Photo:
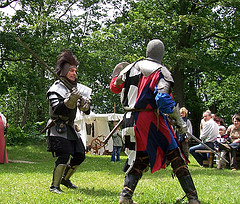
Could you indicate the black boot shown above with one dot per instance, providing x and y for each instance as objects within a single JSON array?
[
  {"x": 57, "y": 177},
  {"x": 180, "y": 169},
  {"x": 189, "y": 188},
  {"x": 130, "y": 184},
  {"x": 70, "y": 170}
]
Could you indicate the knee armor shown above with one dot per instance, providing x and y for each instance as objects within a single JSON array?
[
  {"x": 140, "y": 165},
  {"x": 178, "y": 163}
]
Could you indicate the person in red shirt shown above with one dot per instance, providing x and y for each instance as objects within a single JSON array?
[{"x": 3, "y": 151}]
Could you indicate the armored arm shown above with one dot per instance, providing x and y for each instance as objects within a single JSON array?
[
  {"x": 118, "y": 81},
  {"x": 177, "y": 120},
  {"x": 166, "y": 104},
  {"x": 163, "y": 99}
]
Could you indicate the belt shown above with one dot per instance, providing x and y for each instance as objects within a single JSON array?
[{"x": 156, "y": 112}]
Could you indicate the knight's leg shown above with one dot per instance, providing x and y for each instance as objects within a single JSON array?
[
  {"x": 132, "y": 178},
  {"x": 185, "y": 148},
  {"x": 181, "y": 170},
  {"x": 60, "y": 166},
  {"x": 71, "y": 168}
]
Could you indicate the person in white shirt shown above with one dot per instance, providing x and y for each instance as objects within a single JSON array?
[{"x": 208, "y": 136}]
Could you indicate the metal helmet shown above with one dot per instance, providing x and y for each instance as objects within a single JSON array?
[
  {"x": 65, "y": 61},
  {"x": 155, "y": 50},
  {"x": 118, "y": 68}
]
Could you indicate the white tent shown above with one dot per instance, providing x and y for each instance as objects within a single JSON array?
[{"x": 94, "y": 125}]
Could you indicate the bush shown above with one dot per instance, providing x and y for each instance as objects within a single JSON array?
[
  {"x": 15, "y": 136},
  {"x": 19, "y": 136}
]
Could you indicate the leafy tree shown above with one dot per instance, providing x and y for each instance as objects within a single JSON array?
[
  {"x": 5, "y": 3},
  {"x": 200, "y": 37},
  {"x": 47, "y": 27},
  {"x": 201, "y": 50}
]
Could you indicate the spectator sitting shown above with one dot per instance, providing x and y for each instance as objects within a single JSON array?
[
  {"x": 233, "y": 132},
  {"x": 203, "y": 121},
  {"x": 222, "y": 138},
  {"x": 208, "y": 136}
]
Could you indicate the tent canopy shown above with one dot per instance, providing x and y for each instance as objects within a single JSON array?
[{"x": 94, "y": 125}]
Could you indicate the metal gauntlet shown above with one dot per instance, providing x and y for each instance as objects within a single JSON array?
[
  {"x": 84, "y": 104},
  {"x": 71, "y": 101},
  {"x": 178, "y": 121},
  {"x": 118, "y": 81}
]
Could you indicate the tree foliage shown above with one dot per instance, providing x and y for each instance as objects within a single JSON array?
[{"x": 201, "y": 50}]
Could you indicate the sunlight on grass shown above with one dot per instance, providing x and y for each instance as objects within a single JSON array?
[{"x": 101, "y": 181}]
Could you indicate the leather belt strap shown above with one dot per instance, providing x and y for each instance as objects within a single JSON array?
[{"x": 156, "y": 112}]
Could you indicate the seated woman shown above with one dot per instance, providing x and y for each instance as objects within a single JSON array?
[{"x": 233, "y": 132}]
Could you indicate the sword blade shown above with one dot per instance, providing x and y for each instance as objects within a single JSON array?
[
  {"x": 209, "y": 148},
  {"x": 42, "y": 62},
  {"x": 113, "y": 130}
]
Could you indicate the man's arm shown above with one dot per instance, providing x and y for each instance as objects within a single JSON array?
[{"x": 114, "y": 88}]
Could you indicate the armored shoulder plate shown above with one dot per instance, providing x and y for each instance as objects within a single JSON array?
[
  {"x": 84, "y": 90},
  {"x": 60, "y": 88},
  {"x": 126, "y": 69},
  {"x": 167, "y": 74},
  {"x": 147, "y": 67}
]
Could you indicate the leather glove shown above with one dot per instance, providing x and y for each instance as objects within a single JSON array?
[
  {"x": 118, "y": 81},
  {"x": 178, "y": 121},
  {"x": 71, "y": 101},
  {"x": 84, "y": 104}
]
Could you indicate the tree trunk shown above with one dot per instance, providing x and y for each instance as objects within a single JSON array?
[
  {"x": 178, "y": 89},
  {"x": 17, "y": 111},
  {"x": 25, "y": 112}
]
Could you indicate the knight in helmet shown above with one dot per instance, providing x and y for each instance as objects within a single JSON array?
[
  {"x": 145, "y": 88},
  {"x": 62, "y": 139}
]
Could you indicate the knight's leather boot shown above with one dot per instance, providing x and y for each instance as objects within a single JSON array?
[
  {"x": 70, "y": 170},
  {"x": 130, "y": 184},
  {"x": 189, "y": 188}
]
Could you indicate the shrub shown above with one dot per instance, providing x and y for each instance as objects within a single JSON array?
[
  {"x": 23, "y": 136},
  {"x": 15, "y": 136}
]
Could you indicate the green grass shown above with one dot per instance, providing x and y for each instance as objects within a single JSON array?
[{"x": 101, "y": 181}]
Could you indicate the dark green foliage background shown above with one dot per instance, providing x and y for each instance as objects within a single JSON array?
[{"x": 201, "y": 41}]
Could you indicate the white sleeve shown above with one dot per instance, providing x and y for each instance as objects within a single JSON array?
[
  {"x": 4, "y": 120},
  {"x": 189, "y": 125}
]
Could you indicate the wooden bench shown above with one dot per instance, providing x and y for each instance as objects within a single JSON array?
[{"x": 210, "y": 160}]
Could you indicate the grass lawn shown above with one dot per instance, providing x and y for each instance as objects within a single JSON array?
[{"x": 101, "y": 181}]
